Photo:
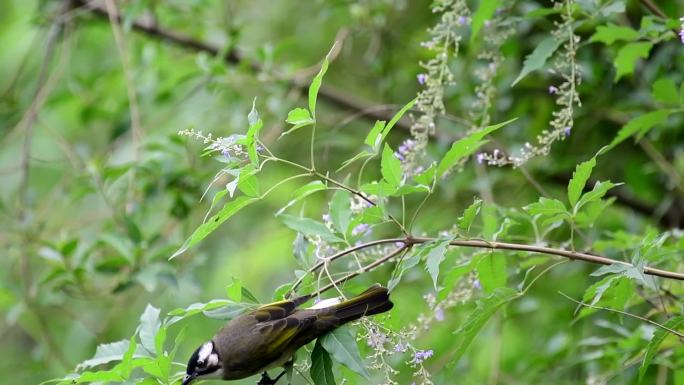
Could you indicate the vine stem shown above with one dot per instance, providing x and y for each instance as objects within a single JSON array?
[
  {"x": 409, "y": 242},
  {"x": 341, "y": 185}
]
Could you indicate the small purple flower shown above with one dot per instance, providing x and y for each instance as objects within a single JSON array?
[
  {"x": 399, "y": 244},
  {"x": 399, "y": 156},
  {"x": 553, "y": 90},
  {"x": 480, "y": 157},
  {"x": 487, "y": 23},
  {"x": 360, "y": 229},
  {"x": 400, "y": 347},
  {"x": 422, "y": 78},
  {"x": 462, "y": 20},
  {"x": 422, "y": 355},
  {"x": 681, "y": 29},
  {"x": 326, "y": 218},
  {"x": 439, "y": 314},
  {"x": 566, "y": 131},
  {"x": 477, "y": 285},
  {"x": 225, "y": 152}
]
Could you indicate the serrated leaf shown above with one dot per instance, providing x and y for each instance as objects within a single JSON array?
[
  {"x": 298, "y": 117},
  {"x": 609, "y": 34},
  {"x": 639, "y": 126},
  {"x": 466, "y": 146},
  {"x": 611, "y": 292},
  {"x": 228, "y": 210},
  {"x": 579, "y": 180},
  {"x": 109, "y": 352},
  {"x": 484, "y": 12},
  {"x": 390, "y": 167},
  {"x": 658, "y": 337},
  {"x": 434, "y": 259},
  {"x": 600, "y": 189},
  {"x": 308, "y": 226},
  {"x": 341, "y": 344},
  {"x": 538, "y": 57},
  {"x": 546, "y": 207},
  {"x": 476, "y": 320},
  {"x": 321, "y": 366},
  {"x": 665, "y": 91},
  {"x": 149, "y": 326},
  {"x": 491, "y": 272},
  {"x": 632, "y": 272},
  {"x": 469, "y": 214},
  {"x": 340, "y": 210},
  {"x": 627, "y": 56}
]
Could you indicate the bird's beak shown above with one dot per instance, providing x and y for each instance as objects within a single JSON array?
[{"x": 188, "y": 379}]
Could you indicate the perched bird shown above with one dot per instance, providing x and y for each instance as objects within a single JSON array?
[{"x": 269, "y": 336}]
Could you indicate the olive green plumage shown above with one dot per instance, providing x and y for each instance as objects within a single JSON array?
[{"x": 268, "y": 337}]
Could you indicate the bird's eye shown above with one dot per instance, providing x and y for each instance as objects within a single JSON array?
[{"x": 200, "y": 363}]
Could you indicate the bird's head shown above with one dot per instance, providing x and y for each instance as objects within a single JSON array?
[{"x": 204, "y": 363}]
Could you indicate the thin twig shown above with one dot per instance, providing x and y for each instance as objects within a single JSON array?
[{"x": 678, "y": 334}]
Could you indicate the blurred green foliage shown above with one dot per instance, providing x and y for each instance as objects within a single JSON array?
[{"x": 91, "y": 210}]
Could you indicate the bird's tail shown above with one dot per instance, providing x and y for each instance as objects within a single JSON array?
[{"x": 375, "y": 300}]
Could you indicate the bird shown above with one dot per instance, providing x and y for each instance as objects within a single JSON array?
[{"x": 268, "y": 336}]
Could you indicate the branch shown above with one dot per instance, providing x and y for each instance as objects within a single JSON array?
[
  {"x": 409, "y": 242},
  {"x": 235, "y": 57}
]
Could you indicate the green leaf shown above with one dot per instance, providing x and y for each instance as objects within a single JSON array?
[
  {"x": 109, "y": 352},
  {"x": 386, "y": 130},
  {"x": 402, "y": 267},
  {"x": 308, "y": 226},
  {"x": 374, "y": 137},
  {"x": 321, "y": 366},
  {"x": 484, "y": 12},
  {"x": 639, "y": 125},
  {"x": 302, "y": 193},
  {"x": 179, "y": 314},
  {"x": 316, "y": 85},
  {"x": 658, "y": 337},
  {"x": 390, "y": 167},
  {"x": 546, "y": 207},
  {"x": 340, "y": 210},
  {"x": 469, "y": 214},
  {"x": 149, "y": 326},
  {"x": 633, "y": 272},
  {"x": 298, "y": 117},
  {"x": 492, "y": 272},
  {"x": 247, "y": 181},
  {"x": 665, "y": 91},
  {"x": 538, "y": 57},
  {"x": 610, "y": 33},
  {"x": 252, "y": 137},
  {"x": 341, "y": 344},
  {"x": 234, "y": 290},
  {"x": 466, "y": 146},
  {"x": 579, "y": 180},
  {"x": 228, "y": 311},
  {"x": 611, "y": 292},
  {"x": 627, "y": 56},
  {"x": 599, "y": 190},
  {"x": 434, "y": 253},
  {"x": 228, "y": 210},
  {"x": 478, "y": 319}
]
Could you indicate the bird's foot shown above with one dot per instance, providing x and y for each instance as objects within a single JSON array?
[{"x": 266, "y": 380}]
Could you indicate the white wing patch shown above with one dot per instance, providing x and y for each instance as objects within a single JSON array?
[{"x": 322, "y": 304}]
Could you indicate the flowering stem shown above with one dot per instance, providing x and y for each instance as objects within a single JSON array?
[{"x": 409, "y": 242}]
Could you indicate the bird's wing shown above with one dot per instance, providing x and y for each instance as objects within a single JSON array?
[
  {"x": 278, "y": 310},
  {"x": 279, "y": 333}
]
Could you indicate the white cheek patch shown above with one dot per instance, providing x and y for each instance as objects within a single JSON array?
[
  {"x": 212, "y": 361},
  {"x": 327, "y": 303},
  {"x": 205, "y": 351}
]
